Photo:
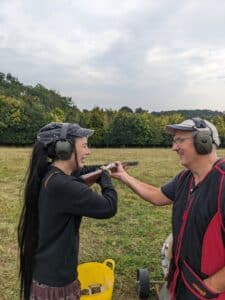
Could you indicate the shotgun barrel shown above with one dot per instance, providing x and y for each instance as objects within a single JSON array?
[{"x": 91, "y": 178}]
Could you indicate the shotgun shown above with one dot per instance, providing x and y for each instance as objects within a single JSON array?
[{"x": 92, "y": 177}]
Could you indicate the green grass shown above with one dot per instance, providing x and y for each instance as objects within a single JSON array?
[{"x": 133, "y": 238}]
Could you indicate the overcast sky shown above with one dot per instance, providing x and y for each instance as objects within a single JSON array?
[{"x": 154, "y": 54}]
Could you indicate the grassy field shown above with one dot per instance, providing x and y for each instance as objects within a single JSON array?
[{"x": 133, "y": 238}]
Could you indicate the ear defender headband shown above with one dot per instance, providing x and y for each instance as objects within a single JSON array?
[
  {"x": 63, "y": 148},
  {"x": 203, "y": 141}
]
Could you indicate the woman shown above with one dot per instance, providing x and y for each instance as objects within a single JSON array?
[{"x": 54, "y": 203}]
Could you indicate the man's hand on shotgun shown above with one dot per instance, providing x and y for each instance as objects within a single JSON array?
[{"x": 116, "y": 169}]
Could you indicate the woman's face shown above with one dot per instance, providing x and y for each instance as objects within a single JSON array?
[{"x": 82, "y": 151}]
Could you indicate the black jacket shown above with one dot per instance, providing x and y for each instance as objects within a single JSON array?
[{"x": 63, "y": 201}]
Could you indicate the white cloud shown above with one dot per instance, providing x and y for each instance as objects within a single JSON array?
[
  {"x": 74, "y": 46},
  {"x": 115, "y": 8},
  {"x": 198, "y": 64},
  {"x": 153, "y": 53}
]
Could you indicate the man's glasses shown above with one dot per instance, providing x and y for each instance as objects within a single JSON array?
[{"x": 180, "y": 140}]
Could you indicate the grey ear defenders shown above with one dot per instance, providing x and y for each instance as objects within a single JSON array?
[
  {"x": 203, "y": 137},
  {"x": 63, "y": 148}
]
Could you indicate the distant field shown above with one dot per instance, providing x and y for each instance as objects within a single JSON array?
[{"x": 133, "y": 238}]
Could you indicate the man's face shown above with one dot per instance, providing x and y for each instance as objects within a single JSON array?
[
  {"x": 82, "y": 150},
  {"x": 184, "y": 146}
]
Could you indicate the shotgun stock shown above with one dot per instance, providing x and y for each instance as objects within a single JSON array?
[{"x": 91, "y": 178}]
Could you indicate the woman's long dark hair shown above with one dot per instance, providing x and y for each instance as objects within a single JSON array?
[{"x": 28, "y": 223}]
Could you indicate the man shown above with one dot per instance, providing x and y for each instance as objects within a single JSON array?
[{"x": 197, "y": 270}]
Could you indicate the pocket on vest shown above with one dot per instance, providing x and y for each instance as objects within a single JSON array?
[{"x": 195, "y": 284}]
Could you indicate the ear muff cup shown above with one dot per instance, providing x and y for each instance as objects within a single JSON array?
[
  {"x": 203, "y": 142},
  {"x": 63, "y": 149}
]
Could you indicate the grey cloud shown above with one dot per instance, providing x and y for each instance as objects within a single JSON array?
[{"x": 165, "y": 54}]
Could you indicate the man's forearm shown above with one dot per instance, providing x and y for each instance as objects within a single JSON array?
[
  {"x": 216, "y": 282},
  {"x": 145, "y": 191}
]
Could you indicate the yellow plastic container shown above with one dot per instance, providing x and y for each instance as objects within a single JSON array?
[{"x": 98, "y": 274}]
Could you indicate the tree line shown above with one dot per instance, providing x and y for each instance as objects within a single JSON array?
[{"x": 25, "y": 109}]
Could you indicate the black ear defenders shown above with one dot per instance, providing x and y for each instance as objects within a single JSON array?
[
  {"x": 203, "y": 141},
  {"x": 63, "y": 148}
]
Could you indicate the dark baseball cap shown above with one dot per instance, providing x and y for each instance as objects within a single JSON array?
[
  {"x": 190, "y": 125},
  {"x": 52, "y": 132}
]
